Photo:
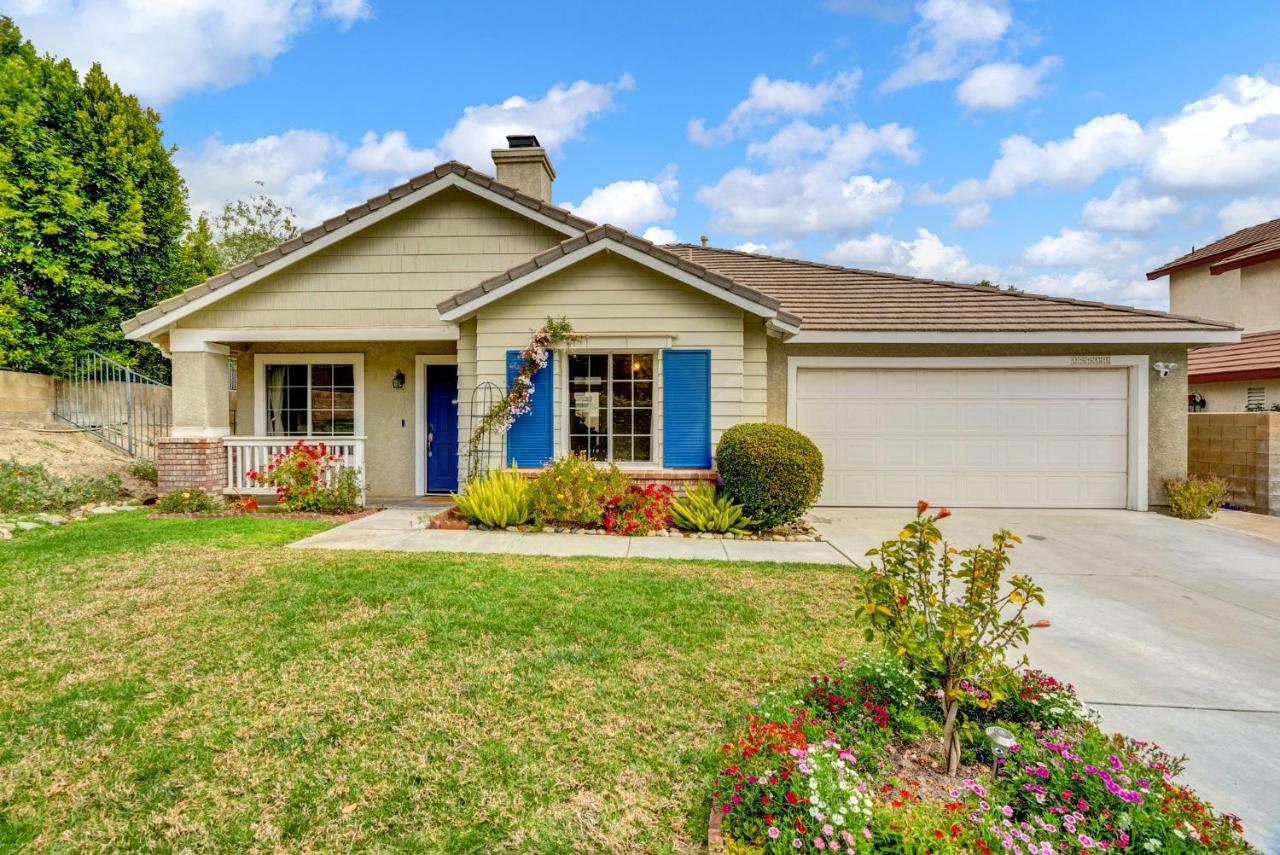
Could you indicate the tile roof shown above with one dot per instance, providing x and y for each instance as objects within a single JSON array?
[
  {"x": 1257, "y": 355},
  {"x": 1264, "y": 250},
  {"x": 827, "y": 297},
  {"x": 598, "y": 233},
  {"x": 1231, "y": 246},
  {"x": 345, "y": 219}
]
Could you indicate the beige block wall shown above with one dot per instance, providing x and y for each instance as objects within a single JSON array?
[
  {"x": 1232, "y": 397},
  {"x": 390, "y": 274},
  {"x": 25, "y": 396},
  {"x": 1244, "y": 450},
  {"x": 390, "y": 459},
  {"x": 609, "y": 296},
  {"x": 1197, "y": 293},
  {"x": 1167, "y": 423}
]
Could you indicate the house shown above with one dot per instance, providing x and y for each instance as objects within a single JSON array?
[
  {"x": 1237, "y": 280},
  {"x": 383, "y": 330}
]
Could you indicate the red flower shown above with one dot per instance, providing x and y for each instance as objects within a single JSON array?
[
  {"x": 944, "y": 513},
  {"x": 792, "y": 798},
  {"x": 921, "y": 507}
]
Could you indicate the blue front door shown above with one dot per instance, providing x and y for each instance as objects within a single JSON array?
[{"x": 442, "y": 428}]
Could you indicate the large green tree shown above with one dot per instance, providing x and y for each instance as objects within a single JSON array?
[{"x": 92, "y": 211}]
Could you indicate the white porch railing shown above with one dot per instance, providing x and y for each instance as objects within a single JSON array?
[{"x": 249, "y": 453}]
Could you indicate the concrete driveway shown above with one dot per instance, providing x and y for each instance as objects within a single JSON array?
[{"x": 1170, "y": 628}]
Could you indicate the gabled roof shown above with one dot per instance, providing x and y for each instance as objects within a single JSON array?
[
  {"x": 1257, "y": 356},
  {"x": 1233, "y": 246},
  {"x": 594, "y": 240},
  {"x": 350, "y": 221},
  {"x": 1264, "y": 250},
  {"x": 827, "y": 297}
]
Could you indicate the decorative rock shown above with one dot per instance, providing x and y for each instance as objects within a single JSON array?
[
  {"x": 777, "y": 537},
  {"x": 50, "y": 519},
  {"x": 27, "y": 525},
  {"x": 548, "y": 529},
  {"x": 6, "y": 534},
  {"x": 102, "y": 510},
  {"x": 512, "y": 528}
]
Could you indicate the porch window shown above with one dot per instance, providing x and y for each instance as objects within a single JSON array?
[
  {"x": 611, "y": 406},
  {"x": 310, "y": 398}
]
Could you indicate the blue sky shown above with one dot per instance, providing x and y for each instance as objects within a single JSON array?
[{"x": 1060, "y": 147}]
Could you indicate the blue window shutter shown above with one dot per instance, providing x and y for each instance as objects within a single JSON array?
[
  {"x": 531, "y": 438},
  {"x": 686, "y": 409}
]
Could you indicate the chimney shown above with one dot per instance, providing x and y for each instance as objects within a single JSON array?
[
  {"x": 523, "y": 165},
  {"x": 704, "y": 240}
]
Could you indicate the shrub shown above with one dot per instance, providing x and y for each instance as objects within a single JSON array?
[
  {"x": 192, "y": 500},
  {"x": 1196, "y": 497},
  {"x": 947, "y": 612},
  {"x": 774, "y": 472},
  {"x": 573, "y": 491},
  {"x": 310, "y": 478},
  {"x": 144, "y": 470},
  {"x": 639, "y": 510},
  {"x": 700, "y": 509},
  {"x": 498, "y": 500},
  {"x": 31, "y": 487}
]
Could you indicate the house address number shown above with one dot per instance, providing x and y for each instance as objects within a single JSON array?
[{"x": 1091, "y": 360}]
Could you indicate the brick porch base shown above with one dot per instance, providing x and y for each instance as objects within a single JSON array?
[{"x": 190, "y": 461}]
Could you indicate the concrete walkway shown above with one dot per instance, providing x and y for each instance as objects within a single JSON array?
[
  {"x": 400, "y": 529},
  {"x": 1170, "y": 628}
]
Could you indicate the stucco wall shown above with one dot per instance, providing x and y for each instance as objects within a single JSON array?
[
  {"x": 1195, "y": 292},
  {"x": 1167, "y": 422},
  {"x": 390, "y": 274},
  {"x": 1232, "y": 397},
  {"x": 388, "y": 413},
  {"x": 1260, "y": 296},
  {"x": 610, "y": 297}
]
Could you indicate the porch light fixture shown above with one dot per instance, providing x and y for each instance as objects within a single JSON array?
[
  {"x": 397, "y": 382},
  {"x": 1001, "y": 743},
  {"x": 1163, "y": 368}
]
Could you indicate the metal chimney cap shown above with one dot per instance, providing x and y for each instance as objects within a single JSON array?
[{"x": 522, "y": 141}]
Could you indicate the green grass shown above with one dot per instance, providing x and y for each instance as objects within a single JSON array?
[{"x": 191, "y": 685}]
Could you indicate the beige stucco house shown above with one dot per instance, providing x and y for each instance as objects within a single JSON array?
[
  {"x": 374, "y": 330},
  {"x": 1237, "y": 280}
]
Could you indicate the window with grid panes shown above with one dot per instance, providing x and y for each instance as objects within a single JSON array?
[{"x": 611, "y": 406}]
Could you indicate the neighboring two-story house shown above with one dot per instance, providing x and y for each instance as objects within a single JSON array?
[
  {"x": 1237, "y": 280},
  {"x": 382, "y": 330}
]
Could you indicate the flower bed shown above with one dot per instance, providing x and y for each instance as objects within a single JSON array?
[{"x": 893, "y": 752}]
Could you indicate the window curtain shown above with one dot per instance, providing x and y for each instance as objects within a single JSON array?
[{"x": 275, "y": 399}]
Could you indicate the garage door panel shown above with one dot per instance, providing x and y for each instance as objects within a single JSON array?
[{"x": 975, "y": 436}]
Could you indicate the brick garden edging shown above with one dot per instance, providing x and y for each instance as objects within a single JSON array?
[{"x": 715, "y": 837}]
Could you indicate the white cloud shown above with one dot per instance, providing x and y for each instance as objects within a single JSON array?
[
  {"x": 1101, "y": 144},
  {"x": 1128, "y": 209},
  {"x": 658, "y": 235},
  {"x": 1250, "y": 211},
  {"x": 1002, "y": 85},
  {"x": 1228, "y": 141},
  {"x": 631, "y": 204},
  {"x": 753, "y": 248},
  {"x": 1094, "y": 284},
  {"x": 851, "y": 146},
  {"x": 971, "y": 216},
  {"x": 294, "y": 168},
  {"x": 950, "y": 37},
  {"x": 391, "y": 153},
  {"x": 557, "y": 117},
  {"x": 926, "y": 256},
  {"x": 798, "y": 200},
  {"x": 159, "y": 50},
  {"x": 770, "y": 100},
  {"x": 1078, "y": 248}
]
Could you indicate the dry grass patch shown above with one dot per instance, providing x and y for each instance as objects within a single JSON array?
[{"x": 187, "y": 685}]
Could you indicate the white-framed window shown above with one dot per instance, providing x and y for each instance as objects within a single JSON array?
[
  {"x": 309, "y": 394},
  {"x": 612, "y": 411}
]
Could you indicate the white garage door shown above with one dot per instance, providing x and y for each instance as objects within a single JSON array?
[{"x": 980, "y": 437}]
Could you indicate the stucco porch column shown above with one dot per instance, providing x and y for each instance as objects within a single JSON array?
[{"x": 193, "y": 456}]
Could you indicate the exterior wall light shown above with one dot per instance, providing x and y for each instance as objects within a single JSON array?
[
  {"x": 1163, "y": 368},
  {"x": 397, "y": 382}
]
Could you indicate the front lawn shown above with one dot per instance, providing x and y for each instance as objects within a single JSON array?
[{"x": 173, "y": 684}]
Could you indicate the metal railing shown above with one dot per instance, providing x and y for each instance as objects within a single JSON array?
[
  {"x": 127, "y": 409},
  {"x": 253, "y": 453}
]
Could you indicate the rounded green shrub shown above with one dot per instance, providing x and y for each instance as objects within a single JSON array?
[{"x": 774, "y": 472}]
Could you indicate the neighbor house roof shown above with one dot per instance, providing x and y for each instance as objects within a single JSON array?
[
  {"x": 827, "y": 297},
  {"x": 1238, "y": 249},
  {"x": 351, "y": 220},
  {"x": 1257, "y": 356},
  {"x": 590, "y": 242}
]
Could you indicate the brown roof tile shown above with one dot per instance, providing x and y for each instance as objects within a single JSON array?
[
  {"x": 1257, "y": 355},
  {"x": 827, "y": 297},
  {"x": 1219, "y": 250},
  {"x": 1264, "y": 250},
  {"x": 276, "y": 254}
]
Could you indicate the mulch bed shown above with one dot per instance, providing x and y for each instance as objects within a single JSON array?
[{"x": 282, "y": 515}]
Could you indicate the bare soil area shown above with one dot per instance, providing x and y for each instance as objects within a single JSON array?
[{"x": 68, "y": 452}]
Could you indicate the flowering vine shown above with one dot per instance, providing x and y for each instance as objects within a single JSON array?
[{"x": 519, "y": 398}]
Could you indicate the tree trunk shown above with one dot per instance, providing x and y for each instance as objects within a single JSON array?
[{"x": 950, "y": 731}]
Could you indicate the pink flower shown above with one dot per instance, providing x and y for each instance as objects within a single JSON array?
[{"x": 773, "y": 832}]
